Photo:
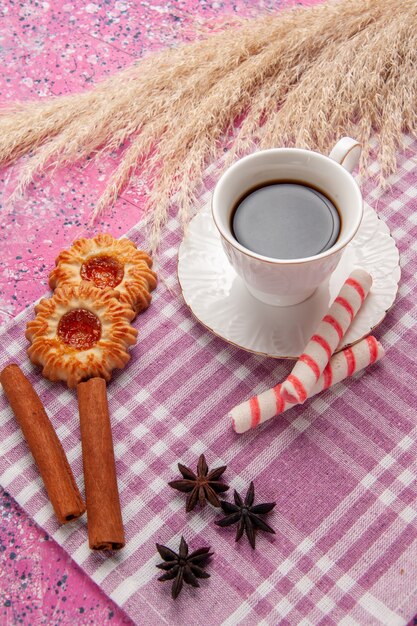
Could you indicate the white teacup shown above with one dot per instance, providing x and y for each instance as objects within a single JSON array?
[{"x": 289, "y": 281}]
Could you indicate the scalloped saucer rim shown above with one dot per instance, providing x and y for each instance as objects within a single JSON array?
[{"x": 219, "y": 300}]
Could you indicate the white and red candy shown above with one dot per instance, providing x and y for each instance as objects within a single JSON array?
[
  {"x": 310, "y": 365},
  {"x": 270, "y": 403}
]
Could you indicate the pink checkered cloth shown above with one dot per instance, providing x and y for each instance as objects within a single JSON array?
[{"x": 342, "y": 468}]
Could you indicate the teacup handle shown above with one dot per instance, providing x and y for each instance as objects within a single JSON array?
[{"x": 347, "y": 152}]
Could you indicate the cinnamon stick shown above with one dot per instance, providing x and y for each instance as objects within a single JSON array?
[
  {"x": 43, "y": 443},
  {"x": 105, "y": 525}
]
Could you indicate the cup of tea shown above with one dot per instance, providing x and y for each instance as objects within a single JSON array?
[{"x": 285, "y": 216}]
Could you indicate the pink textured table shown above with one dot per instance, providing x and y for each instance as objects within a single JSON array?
[
  {"x": 63, "y": 47},
  {"x": 49, "y": 49}
]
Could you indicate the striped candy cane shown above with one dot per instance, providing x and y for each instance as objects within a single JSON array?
[
  {"x": 270, "y": 403},
  {"x": 311, "y": 364}
]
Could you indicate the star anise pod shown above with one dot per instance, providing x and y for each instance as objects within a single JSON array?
[
  {"x": 183, "y": 567},
  {"x": 246, "y": 515},
  {"x": 201, "y": 487}
]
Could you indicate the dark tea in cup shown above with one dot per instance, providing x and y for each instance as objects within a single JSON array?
[
  {"x": 286, "y": 219},
  {"x": 285, "y": 216}
]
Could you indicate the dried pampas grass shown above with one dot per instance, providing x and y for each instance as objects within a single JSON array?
[{"x": 304, "y": 77}]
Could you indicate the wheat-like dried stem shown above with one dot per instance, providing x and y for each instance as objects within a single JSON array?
[{"x": 303, "y": 76}]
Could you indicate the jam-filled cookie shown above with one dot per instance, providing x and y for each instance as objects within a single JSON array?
[
  {"x": 80, "y": 332},
  {"x": 111, "y": 264}
]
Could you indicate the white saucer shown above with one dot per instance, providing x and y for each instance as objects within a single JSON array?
[{"x": 220, "y": 301}]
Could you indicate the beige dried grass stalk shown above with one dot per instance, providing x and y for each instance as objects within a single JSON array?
[{"x": 304, "y": 77}]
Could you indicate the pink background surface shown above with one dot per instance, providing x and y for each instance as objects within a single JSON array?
[{"x": 48, "y": 49}]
